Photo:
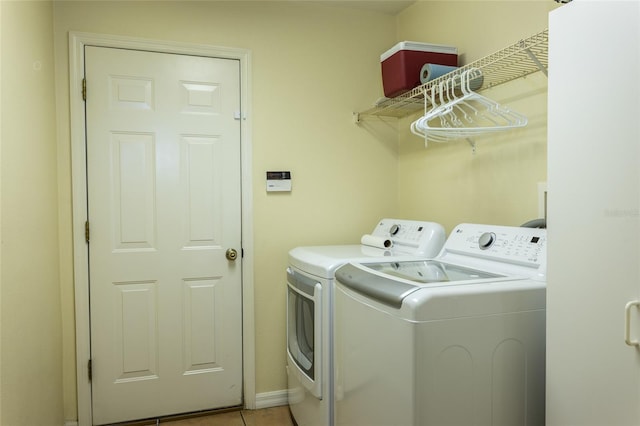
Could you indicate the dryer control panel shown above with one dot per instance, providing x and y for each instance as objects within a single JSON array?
[{"x": 411, "y": 236}]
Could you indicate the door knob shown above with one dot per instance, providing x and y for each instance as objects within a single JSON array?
[{"x": 231, "y": 254}]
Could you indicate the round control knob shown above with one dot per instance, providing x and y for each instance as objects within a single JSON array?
[
  {"x": 394, "y": 229},
  {"x": 486, "y": 240}
]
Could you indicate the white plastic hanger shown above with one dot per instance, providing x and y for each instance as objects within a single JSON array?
[{"x": 454, "y": 116}]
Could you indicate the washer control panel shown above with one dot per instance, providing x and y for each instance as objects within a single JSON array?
[
  {"x": 504, "y": 243},
  {"x": 486, "y": 240}
]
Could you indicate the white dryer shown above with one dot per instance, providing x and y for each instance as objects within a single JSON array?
[
  {"x": 458, "y": 340},
  {"x": 310, "y": 282}
]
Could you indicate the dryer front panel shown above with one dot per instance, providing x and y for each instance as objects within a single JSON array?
[{"x": 304, "y": 332}]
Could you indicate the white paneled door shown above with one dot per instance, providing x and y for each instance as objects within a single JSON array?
[{"x": 163, "y": 167}]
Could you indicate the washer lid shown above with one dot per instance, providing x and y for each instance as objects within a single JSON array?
[
  {"x": 378, "y": 288},
  {"x": 429, "y": 271},
  {"x": 391, "y": 282}
]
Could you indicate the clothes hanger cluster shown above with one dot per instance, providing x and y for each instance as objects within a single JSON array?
[{"x": 454, "y": 111}]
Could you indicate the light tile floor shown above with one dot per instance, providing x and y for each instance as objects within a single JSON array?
[{"x": 275, "y": 416}]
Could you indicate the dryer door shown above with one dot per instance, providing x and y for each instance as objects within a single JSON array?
[{"x": 304, "y": 334}]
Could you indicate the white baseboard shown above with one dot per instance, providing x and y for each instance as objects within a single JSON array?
[
  {"x": 271, "y": 399},
  {"x": 263, "y": 400}
]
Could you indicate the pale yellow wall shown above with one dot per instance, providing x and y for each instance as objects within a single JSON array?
[
  {"x": 30, "y": 373},
  {"x": 446, "y": 182},
  {"x": 312, "y": 66},
  {"x": 0, "y": 210}
]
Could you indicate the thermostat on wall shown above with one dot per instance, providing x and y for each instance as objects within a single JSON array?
[{"x": 278, "y": 181}]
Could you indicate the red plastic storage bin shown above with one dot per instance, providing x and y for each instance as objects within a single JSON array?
[{"x": 402, "y": 63}]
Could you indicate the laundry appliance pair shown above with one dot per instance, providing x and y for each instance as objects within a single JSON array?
[
  {"x": 310, "y": 283},
  {"x": 452, "y": 338}
]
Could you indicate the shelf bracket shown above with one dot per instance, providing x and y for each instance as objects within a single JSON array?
[
  {"x": 473, "y": 145},
  {"x": 356, "y": 118},
  {"x": 536, "y": 61}
]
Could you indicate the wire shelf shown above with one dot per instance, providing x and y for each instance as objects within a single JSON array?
[{"x": 525, "y": 57}]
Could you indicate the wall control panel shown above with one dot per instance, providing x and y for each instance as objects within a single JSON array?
[{"x": 279, "y": 181}]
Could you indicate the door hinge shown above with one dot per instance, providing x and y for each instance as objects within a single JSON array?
[
  {"x": 89, "y": 370},
  {"x": 86, "y": 231},
  {"x": 84, "y": 89}
]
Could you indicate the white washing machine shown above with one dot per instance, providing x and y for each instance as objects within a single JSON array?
[
  {"x": 310, "y": 282},
  {"x": 457, "y": 340}
]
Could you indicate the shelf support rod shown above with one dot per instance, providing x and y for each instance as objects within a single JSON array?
[
  {"x": 536, "y": 61},
  {"x": 473, "y": 145}
]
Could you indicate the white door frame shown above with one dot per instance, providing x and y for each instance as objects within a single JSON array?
[{"x": 77, "y": 42}]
